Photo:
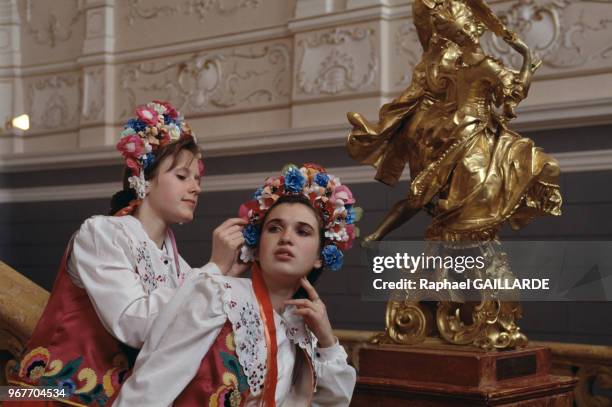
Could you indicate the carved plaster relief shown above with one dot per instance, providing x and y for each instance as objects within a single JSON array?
[
  {"x": 406, "y": 50},
  {"x": 53, "y": 101},
  {"x": 335, "y": 61},
  {"x": 240, "y": 77},
  {"x": 93, "y": 95},
  {"x": 138, "y": 10},
  {"x": 565, "y": 34},
  {"x": 50, "y": 25}
]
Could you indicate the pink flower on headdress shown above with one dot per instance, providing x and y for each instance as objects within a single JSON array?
[
  {"x": 342, "y": 192},
  {"x": 170, "y": 110},
  {"x": 131, "y": 146},
  {"x": 148, "y": 115}
]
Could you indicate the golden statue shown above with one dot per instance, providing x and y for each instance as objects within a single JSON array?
[{"x": 469, "y": 170}]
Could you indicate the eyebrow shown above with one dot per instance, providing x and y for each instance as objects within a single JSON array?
[{"x": 278, "y": 220}]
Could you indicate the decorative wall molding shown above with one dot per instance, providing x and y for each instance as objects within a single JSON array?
[
  {"x": 406, "y": 50},
  {"x": 337, "y": 61},
  {"x": 93, "y": 95},
  {"x": 244, "y": 76},
  {"x": 56, "y": 28},
  {"x": 353, "y": 55},
  {"x": 551, "y": 116},
  {"x": 373, "y": 13},
  {"x": 53, "y": 101},
  {"x": 200, "y": 8},
  {"x": 599, "y": 160},
  {"x": 566, "y": 34}
]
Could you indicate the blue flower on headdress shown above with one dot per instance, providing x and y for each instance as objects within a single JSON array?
[
  {"x": 332, "y": 257},
  {"x": 251, "y": 235},
  {"x": 321, "y": 179},
  {"x": 147, "y": 160},
  {"x": 258, "y": 193},
  {"x": 169, "y": 120},
  {"x": 136, "y": 124},
  {"x": 294, "y": 180},
  {"x": 350, "y": 214}
]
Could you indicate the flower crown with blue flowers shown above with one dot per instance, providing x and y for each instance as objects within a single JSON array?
[
  {"x": 333, "y": 201},
  {"x": 157, "y": 124}
]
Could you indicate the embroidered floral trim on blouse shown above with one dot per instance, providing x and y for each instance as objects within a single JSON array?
[
  {"x": 144, "y": 264},
  {"x": 243, "y": 313},
  {"x": 248, "y": 334}
]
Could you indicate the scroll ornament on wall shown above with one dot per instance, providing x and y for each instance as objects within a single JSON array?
[
  {"x": 336, "y": 61},
  {"x": 564, "y": 34},
  {"x": 240, "y": 77},
  {"x": 142, "y": 10}
]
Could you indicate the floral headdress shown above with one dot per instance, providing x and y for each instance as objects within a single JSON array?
[
  {"x": 332, "y": 200},
  {"x": 156, "y": 125}
]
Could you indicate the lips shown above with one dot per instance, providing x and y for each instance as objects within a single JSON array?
[
  {"x": 283, "y": 254},
  {"x": 190, "y": 202}
]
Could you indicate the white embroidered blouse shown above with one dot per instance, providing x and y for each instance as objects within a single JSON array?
[
  {"x": 189, "y": 325},
  {"x": 127, "y": 277}
]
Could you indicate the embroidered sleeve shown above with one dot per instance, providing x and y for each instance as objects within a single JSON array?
[
  {"x": 210, "y": 268},
  {"x": 335, "y": 377},
  {"x": 180, "y": 338},
  {"x": 103, "y": 258}
]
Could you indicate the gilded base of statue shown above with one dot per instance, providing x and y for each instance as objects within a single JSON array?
[
  {"x": 434, "y": 374},
  {"x": 489, "y": 324}
]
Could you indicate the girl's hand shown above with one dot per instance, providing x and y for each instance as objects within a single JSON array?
[
  {"x": 238, "y": 267},
  {"x": 226, "y": 241},
  {"x": 315, "y": 315}
]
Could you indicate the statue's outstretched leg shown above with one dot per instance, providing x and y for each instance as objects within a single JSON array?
[{"x": 399, "y": 214}]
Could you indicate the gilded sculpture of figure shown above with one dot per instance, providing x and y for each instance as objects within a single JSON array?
[{"x": 469, "y": 171}]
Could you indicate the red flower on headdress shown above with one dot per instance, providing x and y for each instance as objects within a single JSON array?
[
  {"x": 249, "y": 210},
  {"x": 164, "y": 138},
  {"x": 325, "y": 208},
  {"x": 350, "y": 230},
  {"x": 131, "y": 146},
  {"x": 201, "y": 167},
  {"x": 147, "y": 115},
  {"x": 133, "y": 165},
  {"x": 170, "y": 110}
]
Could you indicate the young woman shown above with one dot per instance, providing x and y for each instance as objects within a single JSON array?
[
  {"x": 119, "y": 271},
  {"x": 233, "y": 341}
]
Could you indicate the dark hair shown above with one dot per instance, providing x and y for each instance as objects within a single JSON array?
[
  {"x": 314, "y": 274},
  {"x": 122, "y": 198}
]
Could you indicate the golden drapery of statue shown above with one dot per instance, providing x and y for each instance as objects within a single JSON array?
[{"x": 469, "y": 171}]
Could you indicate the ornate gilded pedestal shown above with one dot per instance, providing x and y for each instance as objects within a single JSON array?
[{"x": 445, "y": 376}]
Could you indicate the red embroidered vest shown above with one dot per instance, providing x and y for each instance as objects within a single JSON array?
[
  {"x": 220, "y": 380},
  {"x": 71, "y": 349}
]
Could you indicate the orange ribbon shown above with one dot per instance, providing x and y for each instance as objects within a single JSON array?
[
  {"x": 130, "y": 208},
  {"x": 267, "y": 314}
]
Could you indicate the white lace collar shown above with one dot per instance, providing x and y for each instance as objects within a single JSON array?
[{"x": 242, "y": 310}]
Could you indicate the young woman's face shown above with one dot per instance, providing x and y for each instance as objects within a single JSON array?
[
  {"x": 174, "y": 192},
  {"x": 289, "y": 244}
]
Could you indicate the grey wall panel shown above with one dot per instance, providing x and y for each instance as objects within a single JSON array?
[{"x": 33, "y": 236}]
